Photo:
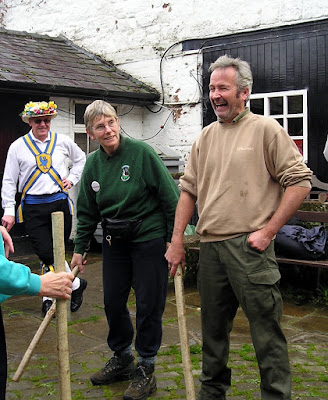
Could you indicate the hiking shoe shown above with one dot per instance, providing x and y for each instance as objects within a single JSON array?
[
  {"x": 77, "y": 295},
  {"x": 142, "y": 385},
  {"x": 116, "y": 369}
]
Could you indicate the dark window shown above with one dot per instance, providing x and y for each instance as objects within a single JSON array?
[
  {"x": 257, "y": 106},
  {"x": 79, "y": 113}
]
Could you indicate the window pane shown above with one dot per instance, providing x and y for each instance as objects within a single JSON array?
[
  {"x": 295, "y": 104},
  {"x": 81, "y": 141},
  {"x": 257, "y": 106},
  {"x": 79, "y": 113},
  {"x": 295, "y": 126},
  {"x": 299, "y": 144},
  {"x": 276, "y": 105},
  {"x": 281, "y": 121},
  {"x": 93, "y": 145}
]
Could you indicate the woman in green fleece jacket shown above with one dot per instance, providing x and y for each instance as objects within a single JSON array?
[
  {"x": 125, "y": 180},
  {"x": 17, "y": 279}
]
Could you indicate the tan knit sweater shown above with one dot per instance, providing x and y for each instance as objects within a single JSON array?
[{"x": 238, "y": 172}]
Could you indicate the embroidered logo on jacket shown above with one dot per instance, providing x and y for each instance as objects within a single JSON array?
[
  {"x": 245, "y": 148},
  {"x": 125, "y": 173}
]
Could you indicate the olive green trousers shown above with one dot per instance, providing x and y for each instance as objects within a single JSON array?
[{"x": 231, "y": 273}]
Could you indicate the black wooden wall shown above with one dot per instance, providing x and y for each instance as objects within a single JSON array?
[{"x": 283, "y": 58}]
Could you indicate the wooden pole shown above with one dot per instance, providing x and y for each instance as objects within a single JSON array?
[
  {"x": 184, "y": 336},
  {"x": 61, "y": 312},
  {"x": 37, "y": 337}
]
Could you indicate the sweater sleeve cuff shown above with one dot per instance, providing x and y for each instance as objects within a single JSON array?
[
  {"x": 35, "y": 285},
  {"x": 305, "y": 183},
  {"x": 9, "y": 211},
  {"x": 79, "y": 249}
]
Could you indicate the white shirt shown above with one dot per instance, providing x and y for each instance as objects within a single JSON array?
[{"x": 21, "y": 163}]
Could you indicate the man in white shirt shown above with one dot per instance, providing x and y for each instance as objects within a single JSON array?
[{"x": 36, "y": 167}]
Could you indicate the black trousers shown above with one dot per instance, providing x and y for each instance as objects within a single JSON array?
[
  {"x": 144, "y": 266},
  {"x": 38, "y": 226},
  {"x": 3, "y": 360}
]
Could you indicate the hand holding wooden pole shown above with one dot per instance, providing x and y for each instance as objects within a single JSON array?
[
  {"x": 62, "y": 331},
  {"x": 184, "y": 336}
]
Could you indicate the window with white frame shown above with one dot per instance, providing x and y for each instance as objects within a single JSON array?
[
  {"x": 80, "y": 136},
  {"x": 289, "y": 109}
]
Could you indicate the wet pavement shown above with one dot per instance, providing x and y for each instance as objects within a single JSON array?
[{"x": 305, "y": 326}]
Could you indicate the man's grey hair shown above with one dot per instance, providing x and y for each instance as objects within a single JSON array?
[{"x": 244, "y": 78}]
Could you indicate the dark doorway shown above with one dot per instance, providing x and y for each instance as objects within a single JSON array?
[
  {"x": 11, "y": 125},
  {"x": 11, "y": 128}
]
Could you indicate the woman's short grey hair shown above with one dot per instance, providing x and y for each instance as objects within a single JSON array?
[
  {"x": 244, "y": 78},
  {"x": 96, "y": 109}
]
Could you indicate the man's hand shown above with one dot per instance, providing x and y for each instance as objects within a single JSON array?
[
  {"x": 77, "y": 260},
  {"x": 175, "y": 255},
  {"x": 290, "y": 202},
  {"x": 9, "y": 247},
  {"x": 56, "y": 284},
  {"x": 260, "y": 240},
  {"x": 8, "y": 221},
  {"x": 67, "y": 184}
]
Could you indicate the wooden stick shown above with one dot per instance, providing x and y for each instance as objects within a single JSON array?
[
  {"x": 57, "y": 219},
  {"x": 38, "y": 335},
  {"x": 184, "y": 336}
]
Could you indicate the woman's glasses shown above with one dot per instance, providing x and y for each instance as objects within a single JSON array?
[{"x": 102, "y": 127}]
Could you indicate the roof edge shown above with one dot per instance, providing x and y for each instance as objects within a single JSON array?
[{"x": 63, "y": 91}]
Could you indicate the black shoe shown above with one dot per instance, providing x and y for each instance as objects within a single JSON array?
[
  {"x": 77, "y": 295},
  {"x": 116, "y": 369},
  {"x": 142, "y": 385},
  {"x": 46, "y": 306}
]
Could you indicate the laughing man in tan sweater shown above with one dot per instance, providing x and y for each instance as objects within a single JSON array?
[{"x": 248, "y": 178}]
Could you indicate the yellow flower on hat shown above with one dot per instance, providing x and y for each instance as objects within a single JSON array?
[
  {"x": 52, "y": 104},
  {"x": 43, "y": 105}
]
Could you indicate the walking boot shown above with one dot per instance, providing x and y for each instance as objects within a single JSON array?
[
  {"x": 143, "y": 383},
  {"x": 118, "y": 368}
]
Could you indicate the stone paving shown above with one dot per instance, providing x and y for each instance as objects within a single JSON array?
[{"x": 306, "y": 328}]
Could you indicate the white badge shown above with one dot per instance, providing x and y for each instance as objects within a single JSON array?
[{"x": 95, "y": 186}]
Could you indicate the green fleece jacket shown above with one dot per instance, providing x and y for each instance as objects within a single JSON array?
[{"x": 131, "y": 183}]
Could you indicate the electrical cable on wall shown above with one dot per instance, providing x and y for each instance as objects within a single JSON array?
[
  {"x": 162, "y": 103},
  {"x": 151, "y": 137},
  {"x": 126, "y": 113}
]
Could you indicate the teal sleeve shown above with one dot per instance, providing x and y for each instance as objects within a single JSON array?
[{"x": 15, "y": 278}]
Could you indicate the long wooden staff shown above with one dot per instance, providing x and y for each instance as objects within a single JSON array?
[
  {"x": 184, "y": 336},
  {"x": 39, "y": 333},
  {"x": 57, "y": 219}
]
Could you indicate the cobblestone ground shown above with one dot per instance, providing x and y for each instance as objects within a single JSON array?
[{"x": 306, "y": 328}]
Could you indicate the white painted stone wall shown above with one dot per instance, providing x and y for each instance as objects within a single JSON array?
[{"x": 136, "y": 34}]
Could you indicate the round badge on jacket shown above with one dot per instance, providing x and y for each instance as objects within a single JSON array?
[{"x": 95, "y": 186}]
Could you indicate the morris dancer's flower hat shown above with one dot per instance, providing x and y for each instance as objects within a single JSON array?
[{"x": 38, "y": 109}]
